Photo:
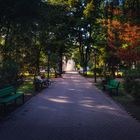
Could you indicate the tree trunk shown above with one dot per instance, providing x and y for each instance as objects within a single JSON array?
[
  {"x": 38, "y": 62},
  {"x": 5, "y": 52},
  {"x": 60, "y": 63}
]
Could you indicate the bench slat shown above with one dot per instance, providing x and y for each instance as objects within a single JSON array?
[
  {"x": 7, "y": 91},
  {"x": 10, "y": 98},
  {"x": 8, "y": 94},
  {"x": 112, "y": 84}
]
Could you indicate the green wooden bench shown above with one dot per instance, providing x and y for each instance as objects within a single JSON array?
[
  {"x": 8, "y": 95},
  {"x": 112, "y": 85}
]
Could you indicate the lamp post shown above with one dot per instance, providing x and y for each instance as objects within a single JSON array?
[
  {"x": 48, "y": 76},
  {"x": 95, "y": 62}
]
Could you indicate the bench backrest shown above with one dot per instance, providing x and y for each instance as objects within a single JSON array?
[
  {"x": 114, "y": 83},
  {"x": 7, "y": 91}
]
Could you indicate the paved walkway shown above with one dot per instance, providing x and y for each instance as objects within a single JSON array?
[{"x": 71, "y": 109}]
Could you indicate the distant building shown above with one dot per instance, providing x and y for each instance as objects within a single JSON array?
[{"x": 70, "y": 65}]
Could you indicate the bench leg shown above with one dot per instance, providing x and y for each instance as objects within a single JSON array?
[
  {"x": 41, "y": 85},
  {"x": 15, "y": 102},
  {"x": 104, "y": 88},
  {"x": 117, "y": 92},
  {"x": 37, "y": 86},
  {"x": 23, "y": 98},
  {"x": 50, "y": 82},
  {"x": 5, "y": 108},
  {"x": 110, "y": 91}
]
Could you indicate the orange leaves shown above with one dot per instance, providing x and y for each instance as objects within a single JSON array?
[
  {"x": 124, "y": 33},
  {"x": 131, "y": 33},
  {"x": 117, "y": 11},
  {"x": 129, "y": 54},
  {"x": 116, "y": 23},
  {"x": 123, "y": 36}
]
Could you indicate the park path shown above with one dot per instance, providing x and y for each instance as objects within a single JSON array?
[{"x": 70, "y": 109}]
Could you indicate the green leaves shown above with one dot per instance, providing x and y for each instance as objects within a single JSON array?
[
  {"x": 73, "y": 3},
  {"x": 89, "y": 9}
]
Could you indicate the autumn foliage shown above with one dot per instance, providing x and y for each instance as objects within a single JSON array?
[{"x": 124, "y": 39}]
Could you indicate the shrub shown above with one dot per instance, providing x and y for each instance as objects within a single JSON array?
[
  {"x": 8, "y": 73},
  {"x": 132, "y": 83}
]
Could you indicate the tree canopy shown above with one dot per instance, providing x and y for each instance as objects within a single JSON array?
[{"x": 29, "y": 29}]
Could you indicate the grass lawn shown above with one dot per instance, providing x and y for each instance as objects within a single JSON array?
[
  {"x": 129, "y": 104},
  {"x": 89, "y": 74},
  {"x": 28, "y": 89},
  {"x": 126, "y": 101}
]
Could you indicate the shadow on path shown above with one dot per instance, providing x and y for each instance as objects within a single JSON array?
[{"x": 71, "y": 109}]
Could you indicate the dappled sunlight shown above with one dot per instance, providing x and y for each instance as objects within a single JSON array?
[
  {"x": 73, "y": 77},
  {"x": 88, "y": 98},
  {"x": 71, "y": 72},
  {"x": 105, "y": 107},
  {"x": 110, "y": 111},
  {"x": 72, "y": 89},
  {"x": 75, "y": 90},
  {"x": 91, "y": 103},
  {"x": 58, "y": 100},
  {"x": 87, "y": 103},
  {"x": 77, "y": 80}
]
